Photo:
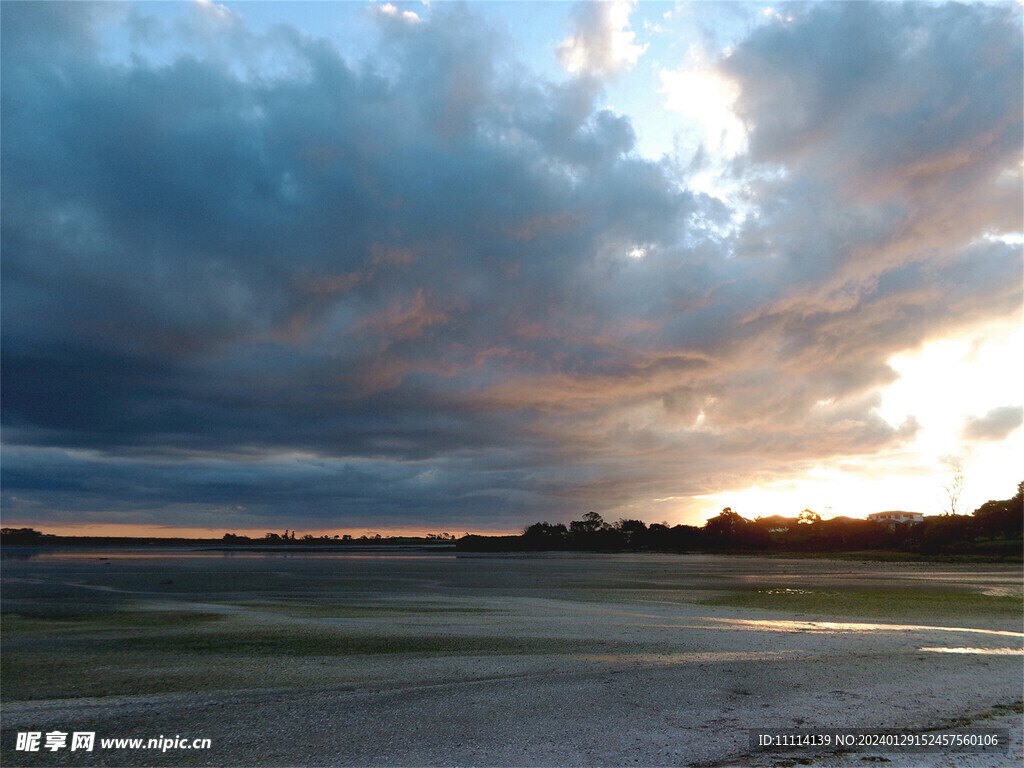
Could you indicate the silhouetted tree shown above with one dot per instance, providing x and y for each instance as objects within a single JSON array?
[
  {"x": 1002, "y": 518},
  {"x": 955, "y": 487},
  {"x": 847, "y": 533},
  {"x": 943, "y": 533},
  {"x": 591, "y": 523},
  {"x": 725, "y": 529},
  {"x": 545, "y": 536},
  {"x": 684, "y": 538},
  {"x": 632, "y": 533},
  {"x": 774, "y": 529},
  {"x": 21, "y": 536},
  {"x": 592, "y": 532},
  {"x": 659, "y": 536}
]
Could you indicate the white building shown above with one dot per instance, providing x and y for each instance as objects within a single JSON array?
[{"x": 894, "y": 518}]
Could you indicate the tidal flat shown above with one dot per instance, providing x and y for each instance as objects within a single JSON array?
[{"x": 395, "y": 657}]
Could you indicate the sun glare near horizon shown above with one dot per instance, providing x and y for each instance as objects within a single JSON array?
[{"x": 942, "y": 385}]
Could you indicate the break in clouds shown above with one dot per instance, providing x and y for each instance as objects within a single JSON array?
[{"x": 251, "y": 280}]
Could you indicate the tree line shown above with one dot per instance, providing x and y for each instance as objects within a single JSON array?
[{"x": 993, "y": 529}]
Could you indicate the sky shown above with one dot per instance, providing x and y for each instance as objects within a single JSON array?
[{"x": 372, "y": 267}]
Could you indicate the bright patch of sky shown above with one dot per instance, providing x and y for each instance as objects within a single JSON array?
[
  {"x": 943, "y": 385},
  {"x": 670, "y": 92}
]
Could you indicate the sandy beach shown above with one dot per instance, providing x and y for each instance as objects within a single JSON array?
[{"x": 431, "y": 659}]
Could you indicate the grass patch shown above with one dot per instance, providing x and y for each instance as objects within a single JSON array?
[
  {"x": 31, "y": 676},
  {"x": 276, "y": 642},
  {"x": 872, "y": 603},
  {"x": 900, "y": 556},
  {"x": 98, "y": 621},
  {"x": 355, "y": 611},
  {"x": 216, "y": 659},
  {"x": 174, "y": 632}
]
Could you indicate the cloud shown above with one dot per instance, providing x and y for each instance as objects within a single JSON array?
[
  {"x": 867, "y": 198},
  {"x": 215, "y": 10},
  {"x": 254, "y": 272},
  {"x": 997, "y": 424},
  {"x": 602, "y": 42},
  {"x": 389, "y": 9},
  {"x": 908, "y": 113}
]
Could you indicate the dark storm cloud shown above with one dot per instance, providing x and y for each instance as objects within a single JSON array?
[
  {"x": 243, "y": 273},
  {"x": 320, "y": 259},
  {"x": 251, "y": 491}
]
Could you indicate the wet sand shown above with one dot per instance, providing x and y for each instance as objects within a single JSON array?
[{"x": 412, "y": 659}]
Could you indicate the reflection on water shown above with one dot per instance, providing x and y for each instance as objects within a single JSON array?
[
  {"x": 829, "y": 627},
  {"x": 356, "y": 552},
  {"x": 980, "y": 651},
  {"x": 696, "y": 656},
  {"x": 821, "y": 627},
  {"x": 1002, "y": 592}
]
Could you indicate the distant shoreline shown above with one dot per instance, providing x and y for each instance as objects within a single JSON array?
[{"x": 221, "y": 544}]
